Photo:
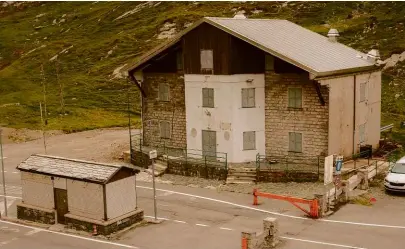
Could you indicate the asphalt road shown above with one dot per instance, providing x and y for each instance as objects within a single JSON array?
[{"x": 202, "y": 218}]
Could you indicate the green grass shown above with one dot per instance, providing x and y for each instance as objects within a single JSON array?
[{"x": 93, "y": 99}]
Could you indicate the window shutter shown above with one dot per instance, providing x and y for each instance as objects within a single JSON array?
[
  {"x": 291, "y": 97},
  {"x": 206, "y": 59},
  {"x": 249, "y": 140},
  {"x": 298, "y": 142},
  {"x": 251, "y": 93},
  {"x": 291, "y": 146},
  {"x": 244, "y": 98},
  {"x": 298, "y": 98},
  {"x": 208, "y": 97}
]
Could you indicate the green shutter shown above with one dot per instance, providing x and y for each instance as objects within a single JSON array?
[
  {"x": 298, "y": 142},
  {"x": 291, "y": 97},
  {"x": 208, "y": 97},
  {"x": 291, "y": 142},
  {"x": 298, "y": 98}
]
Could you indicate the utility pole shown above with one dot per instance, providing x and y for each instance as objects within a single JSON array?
[
  {"x": 61, "y": 88},
  {"x": 43, "y": 127},
  {"x": 2, "y": 173}
]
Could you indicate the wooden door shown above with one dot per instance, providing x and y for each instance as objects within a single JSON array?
[
  {"x": 209, "y": 143},
  {"x": 61, "y": 204}
]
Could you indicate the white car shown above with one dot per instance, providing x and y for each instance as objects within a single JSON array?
[{"x": 395, "y": 180}]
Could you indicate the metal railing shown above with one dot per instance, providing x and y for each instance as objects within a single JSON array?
[
  {"x": 387, "y": 127},
  {"x": 169, "y": 153}
]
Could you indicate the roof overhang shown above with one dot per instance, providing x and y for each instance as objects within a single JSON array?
[{"x": 315, "y": 75}]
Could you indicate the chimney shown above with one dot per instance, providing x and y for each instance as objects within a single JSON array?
[
  {"x": 373, "y": 55},
  {"x": 333, "y": 35}
]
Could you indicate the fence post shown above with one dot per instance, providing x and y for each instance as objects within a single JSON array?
[
  {"x": 318, "y": 168},
  {"x": 226, "y": 161}
]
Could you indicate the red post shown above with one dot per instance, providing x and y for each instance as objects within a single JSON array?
[
  {"x": 244, "y": 243},
  {"x": 255, "y": 202}
]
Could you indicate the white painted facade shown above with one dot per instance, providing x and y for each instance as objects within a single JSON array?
[
  {"x": 85, "y": 199},
  {"x": 37, "y": 190},
  {"x": 120, "y": 197},
  {"x": 227, "y": 118},
  {"x": 342, "y": 137}
]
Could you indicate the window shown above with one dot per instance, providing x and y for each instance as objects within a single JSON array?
[
  {"x": 295, "y": 97},
  {"x": 269, "y": 62},
  {"x": 362, "y": 131},
  {"x": 362, "y": 92},
  {"x": 248, "y": 97},
  {"x": 165, "y": 131},
  {"x": 208, "y": 97},
  {"x": 207, "y": 60},
  {"x": 163, "y": 92},
  {"x": 179, "y": 60},
  {"x": 249, "y": 140},
  {"x": 295, "y": 142}
]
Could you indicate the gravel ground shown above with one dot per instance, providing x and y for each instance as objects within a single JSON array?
[{"x": 304, "y": 190}]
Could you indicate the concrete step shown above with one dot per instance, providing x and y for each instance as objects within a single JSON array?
[
  {"x": 242, "y": 169},
  {"x": 243, "y": 180},
  {"x": 159, "y": 169},
  {"x": 241, "y": 174}
]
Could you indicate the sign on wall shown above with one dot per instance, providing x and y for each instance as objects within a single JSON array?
[{"x": 152, "y": 154}]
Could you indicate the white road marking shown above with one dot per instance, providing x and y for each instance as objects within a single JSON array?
[
  {"x": 225, "y": 228},
  {"x": 16, "y": 230},
  {"x": 322, "y": 243},
  {"x": 201, "y": 225},
  {"x": 159, "y": 218},
  {"x": 180, "y": 221},
  {"x": 275, "y": 213},
  {"x": 11, "y": 197},
  {"x": 4, "y": 157},
  {"x": 9, "y": 203},
  {"x": 15, "y": 172},
  {"x": 32, "y": 232},
  {"x": 71, "y": 235}
]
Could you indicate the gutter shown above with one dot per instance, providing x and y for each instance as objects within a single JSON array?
[
  {"x": 347, "y": 72},
  {"x": 354, "y": 113}
]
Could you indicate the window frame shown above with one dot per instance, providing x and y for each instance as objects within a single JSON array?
[
  {"x": 210, "y": 104},
  {"x": 295, "y": 98},
  {"x": 295, "y": 142},
  {"x": 203, "y": 68},
  {"x": 160, "y": 93},
  {"x": 246, "y": 103},
  {"x": 246, "y": 133}
]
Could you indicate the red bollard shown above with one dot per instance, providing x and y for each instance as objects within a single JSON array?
[
  {"x": 94, "y": 230},
  {"x": 255, "y": 202},
  {"x": 244, "y": 243}
]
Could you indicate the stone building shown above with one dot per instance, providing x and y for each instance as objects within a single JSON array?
[
  {"x": 259, "y": 86},
  {"x": 79, "y": 194}
]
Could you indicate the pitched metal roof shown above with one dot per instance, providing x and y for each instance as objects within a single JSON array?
[
  {"x": 69, "y": 168},
  {"x": 301, "y": 47}
]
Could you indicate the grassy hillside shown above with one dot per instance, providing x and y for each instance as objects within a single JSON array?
[{"x": 92, "y": 39}]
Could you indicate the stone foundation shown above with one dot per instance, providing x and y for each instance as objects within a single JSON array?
[
  {"x": 287, "y": 176},
  {"x": 35, "y": 214},
  {"x": 103, "y": 227},
  {"x": 197, "y": 169},
  {"x": 140, "y": 159}
]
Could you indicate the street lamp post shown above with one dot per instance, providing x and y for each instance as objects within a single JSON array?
[{"x": 2, "y": 173}]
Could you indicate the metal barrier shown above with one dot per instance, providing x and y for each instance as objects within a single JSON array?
[
  {"x": 313, "y": 204},
  {"x": 387, "y": 127}
]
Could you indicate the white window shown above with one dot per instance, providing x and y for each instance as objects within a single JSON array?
[
  {"x": 165, "y": 129},
  {"x": 249, "y": 140},
  {"x": 163, "y": 92},
  {"x": 207, "y": 60},
  {"x": 295, "y": 142},
  {"x": 363, "y": 87},
  {"x": 269, "y": 62},
  {"x": 208, "y": 97},
  {"x": 248, "y": 97},
  {"x": 295, "y": 97},
  {"x": 362, "y": 133}
]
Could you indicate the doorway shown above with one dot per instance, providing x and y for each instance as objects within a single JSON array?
[
  {"x": 61, "y": 204},
  {"x": 209, "y": 143}
]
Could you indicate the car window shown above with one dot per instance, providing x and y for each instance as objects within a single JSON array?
[{"x": 398, "y": 168}]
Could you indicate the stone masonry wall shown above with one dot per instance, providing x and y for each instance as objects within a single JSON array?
[
  {"x": 35, "y": 215},
  {"x": 311, "y": 120},
  {"x": 155, "y": 111}
]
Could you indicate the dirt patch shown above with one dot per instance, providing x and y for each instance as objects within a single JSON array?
[{"x": 11, "y": 135}]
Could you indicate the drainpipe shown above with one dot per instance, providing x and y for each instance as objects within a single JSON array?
[
  {"x": 132, "y": 78},
  {"x": 354, "y": 114}
]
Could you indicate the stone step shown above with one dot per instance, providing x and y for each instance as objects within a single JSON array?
[
  {"x": 247, "y": 174},
  {"x": 242, "y": 169},
  {"x": 245, "y": 178},
  {"x": 231, "y": 180}
]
